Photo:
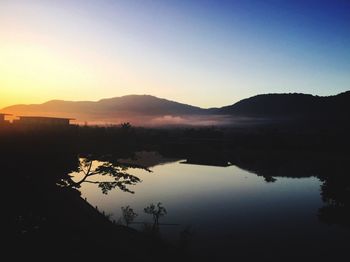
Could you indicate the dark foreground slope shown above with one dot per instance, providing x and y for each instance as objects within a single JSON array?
[{"x": 47, "y": 221}]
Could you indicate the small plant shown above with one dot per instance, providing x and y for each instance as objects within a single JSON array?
[
  {"x": 125, "y": 126},
  {"x": 156, "y": 212},
  {"x": 128, "y": 215}
]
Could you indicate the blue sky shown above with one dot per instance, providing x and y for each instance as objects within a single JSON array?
[{"x": 206, "y": 53}]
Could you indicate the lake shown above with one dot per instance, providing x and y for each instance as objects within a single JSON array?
[{"x": 225, "y": 211}]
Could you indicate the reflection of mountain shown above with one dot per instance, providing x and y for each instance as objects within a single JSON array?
[
  {"x": 206, "y": 162},
  {"x": 330, "y": 168},
  {"x": 147, "y": 159},
  {"x": 149, "y": 110}
]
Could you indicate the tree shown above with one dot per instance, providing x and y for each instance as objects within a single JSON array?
[
  {"x": 156, "y": 212},
  {"x": 128, "y": 215},
  {"x": 117, "y": 176},
  {"x": 125, "y": 126}
]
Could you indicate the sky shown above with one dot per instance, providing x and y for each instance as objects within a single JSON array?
[{"x": 204, "y": 53}]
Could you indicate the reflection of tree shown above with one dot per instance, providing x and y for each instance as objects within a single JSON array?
[
  {"x": 115, "y": 176},
  {"x": 270, "y": 179},
  {"x": 335, "y": 192}
]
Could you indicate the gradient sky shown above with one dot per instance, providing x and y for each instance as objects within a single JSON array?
[{"x": 205, "y": 53}]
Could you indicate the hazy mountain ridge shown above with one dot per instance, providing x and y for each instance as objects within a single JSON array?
[
  {"x": 149, "y": 105},
  {"x": 138, "y": 109},
  {"x": 289, "y": 105},
  {"x": 141, "y": 104},
  {"x": 147, "y": 109}
]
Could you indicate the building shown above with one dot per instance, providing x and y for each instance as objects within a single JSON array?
[
  {"x": 3, "y": 120},
  {"x": 42, "y": 121}
]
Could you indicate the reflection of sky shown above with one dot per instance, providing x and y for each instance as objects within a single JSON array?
[
  {"x": 202, "y": 196},
  {"x": 207, "y": 53}
]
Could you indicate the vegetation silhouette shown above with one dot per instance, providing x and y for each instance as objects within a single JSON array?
[
  {"x": 117, "y": 173},
  {"x": 125, "y": 126},
  {"x": 43, "y": 215},
  {"x": 335, "y": 192},
  {"x": 157, "y": 211},
  {"x": 128, "y": 215}
]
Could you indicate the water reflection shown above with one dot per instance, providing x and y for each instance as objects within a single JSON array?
[
  {"x": 232, "y": 205},
  {"x": 108, "y": 175},
  {"x": 330, "y": 168},
  {"x": 335, "y": 192}
]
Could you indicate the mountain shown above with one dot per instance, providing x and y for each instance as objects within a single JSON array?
[
  {"x": 149, "y": 105},
  {"x": 131, "y": 104},
  {"x": 148, "y": 110},
  {"x": 139, "y": 109},
  {"x": 290, "y": 106}
]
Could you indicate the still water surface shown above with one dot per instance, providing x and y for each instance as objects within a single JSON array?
[{"x": 226, "y": 209}]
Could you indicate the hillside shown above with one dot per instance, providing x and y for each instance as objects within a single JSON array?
[
  {"x": 148, "y": 110},
  {"x": 290, "y": 105},
  {"x": 139, "y": 109}
]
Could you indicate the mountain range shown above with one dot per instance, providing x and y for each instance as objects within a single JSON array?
[{"x": 152, "y": 111}]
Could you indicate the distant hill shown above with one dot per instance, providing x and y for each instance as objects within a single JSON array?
[
  {"x": 131, "y": 104},
  {"x": 140, "y": 109},
  {"x": 290, "y": 105},
  {"x": 150, "y": 110},
  {"x": 147, "y": 105}
]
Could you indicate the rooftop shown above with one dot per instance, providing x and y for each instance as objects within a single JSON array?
[{"x": 46, "y": 117}]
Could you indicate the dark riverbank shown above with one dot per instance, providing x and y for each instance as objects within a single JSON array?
[{"x": 47, "y": 219}]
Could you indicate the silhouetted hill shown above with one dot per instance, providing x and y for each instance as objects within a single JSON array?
[
  {"x": 290, "y": 105},
  {"x": 149, "y": 110},
  {"x": 139, "y": 109},
  {"x": 148, "y": 105},
  {"x": 131, "y": 104}
]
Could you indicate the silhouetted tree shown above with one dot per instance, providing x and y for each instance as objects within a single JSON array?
[
  {"x": 156, "y": 212},
  {"x": 120, "y": 179},
  {"x": 125, "y": 126},
  {"x": 128, "y": 215}
]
